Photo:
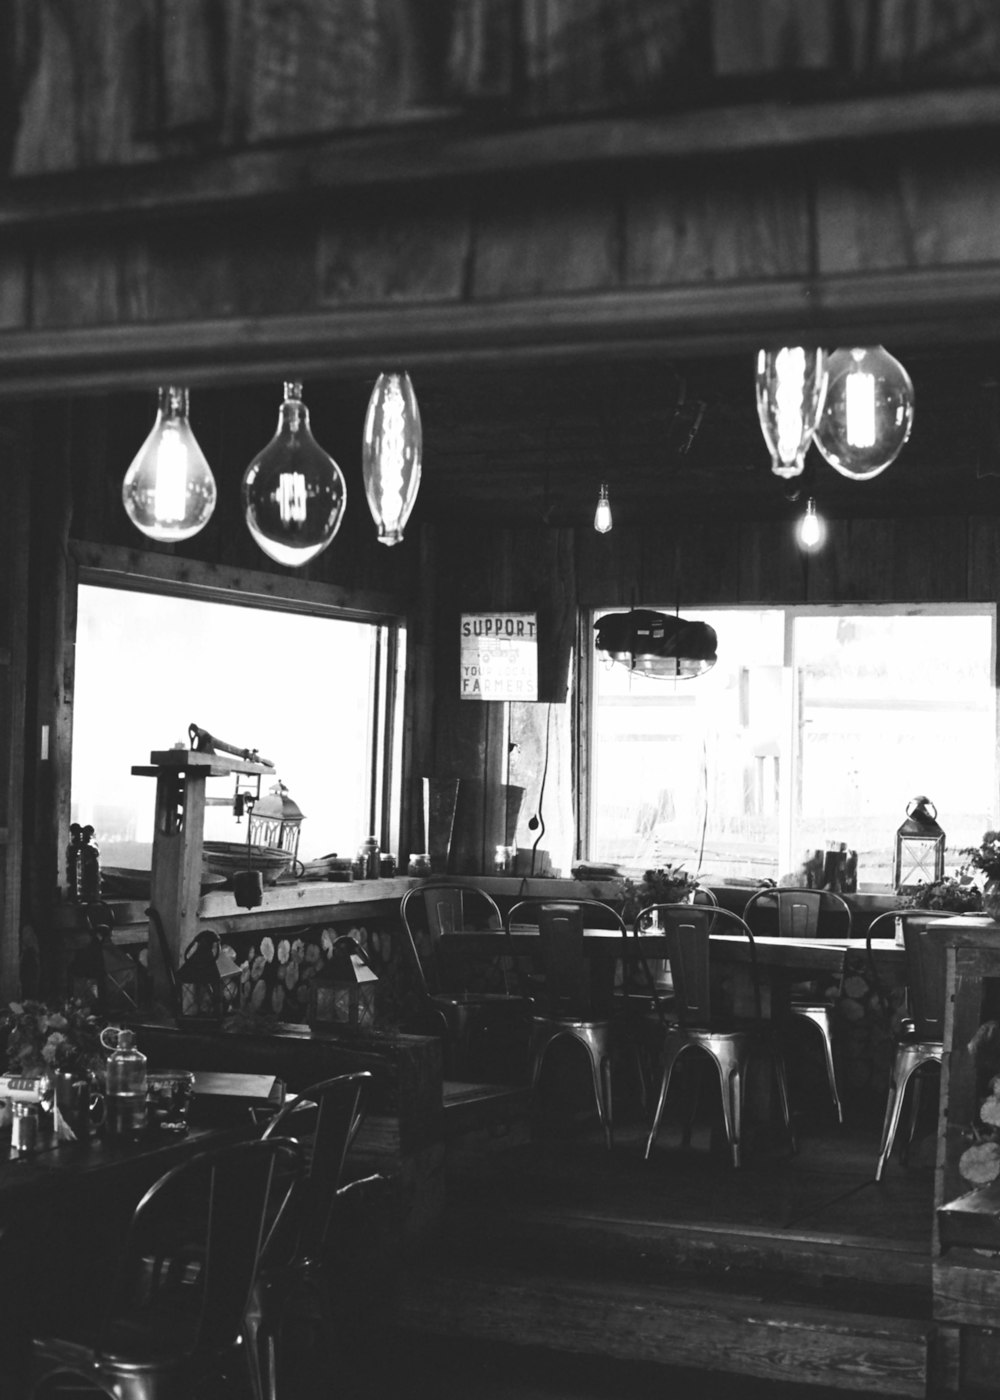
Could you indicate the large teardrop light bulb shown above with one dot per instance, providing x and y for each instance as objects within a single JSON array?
[
  {"x": 391, "y": 452},
  {"x": 868, "y": 413},
  {"x": 294, "y": 493},
  {"x": 790, "y": 383},
  {"x": 169, "y": 490}
]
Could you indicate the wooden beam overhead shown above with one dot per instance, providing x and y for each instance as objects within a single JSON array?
[
  {"x": 913, "y": 307},
  {"x": 296, "y": 172}
]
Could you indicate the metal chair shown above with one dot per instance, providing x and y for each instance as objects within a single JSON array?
[
  {"x": 458, "y": 991},
  {"x": 727, "y": 1040},
  {"x": 920, "y": 1039},
  {"x": 795, "y": 913},
  {"x": 174, "y": 1318},
  {"x": 562, "y": 1000},
  {"x": 324, "y": 1119}
]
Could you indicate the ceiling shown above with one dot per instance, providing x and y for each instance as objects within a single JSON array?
[{"x": 533, "y": 443}]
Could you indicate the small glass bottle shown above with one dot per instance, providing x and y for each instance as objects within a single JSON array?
[
  {"x": 24, "y": 1127},
  {"x": 125, "y": 1100},
  {"x": 370, "y": 855}
]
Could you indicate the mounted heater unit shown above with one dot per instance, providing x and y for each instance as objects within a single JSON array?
[{"x": 657, "y": 644}]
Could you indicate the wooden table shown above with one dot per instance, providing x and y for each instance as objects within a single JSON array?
[{"x": 63, "y": 1212}]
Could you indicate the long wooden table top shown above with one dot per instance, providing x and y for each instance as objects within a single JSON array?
[{"x": 806, "y": 954}]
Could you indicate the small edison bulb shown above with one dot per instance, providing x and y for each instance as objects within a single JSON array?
[
  {"x": 169, "y": 490},
  {"x": 868, "y": 413},
  {"x": 602, "y": 515},
  {"x": 294, "y": 493},
  {"x": 811, "y": 529},
  {"x": 390, "y": 454},
  {"x": 790, "y": 385}
]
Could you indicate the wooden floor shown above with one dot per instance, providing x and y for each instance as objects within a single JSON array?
[{"x": 560, "y": 1263}]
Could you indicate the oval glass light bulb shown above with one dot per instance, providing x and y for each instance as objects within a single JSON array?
[
  {"x": 868, "y": 413},
  {"x": 169, "y": 491},
  {"x": 391, "y": 452},
  {"x": 294, "y": 494},
  {"x": 791, "y": 384},
  {"x": 602, "y": 515},
  {"x": 811, "y": 530}
]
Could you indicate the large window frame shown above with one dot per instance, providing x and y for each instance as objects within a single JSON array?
[
  {"x": 112, "y": 568},
  {"x": 789, "y": 857}
]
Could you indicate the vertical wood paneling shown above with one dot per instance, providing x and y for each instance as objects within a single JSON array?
[
  {"x": 608, "y": 566},
  {"x": 984, "y": 559},
  {"x": 719, "y": 224},
  {"x": 560, "y": 235},
  {"x": 772, "y": 36},
  {"x": 771, "y": 566},
  {"x": 412, "y": 248},
  {"x": 941, "y": 208},
  {"x": 929, "y": 562},
  {"x": 855, "y": 564},
  {"x": 583, "y": 55}
]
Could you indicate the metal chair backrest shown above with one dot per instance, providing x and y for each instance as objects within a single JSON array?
[
  {"x": 688, "y": 929},
  {"x": 325, "y": 1117},
  {"x": 568, "y": 986},
  {"x": 204, "y": 1224},
  {"x": 926, "y": 978},
  {"x": 434, "y": 911},
  {"x": 799, "y": 913}
]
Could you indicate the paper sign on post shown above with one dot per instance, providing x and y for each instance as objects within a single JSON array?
[{"x": 499, "y": 656}]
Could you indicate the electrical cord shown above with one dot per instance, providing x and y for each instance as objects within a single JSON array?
[{"x": 541, "y": 789}]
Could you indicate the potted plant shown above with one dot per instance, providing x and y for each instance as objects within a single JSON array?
[
  {"x": 986, "y": 859},
  {"x": 666, "y": 884},
  {"x": 60, "y": 1044},
  {"x": 954, "y": 894}
]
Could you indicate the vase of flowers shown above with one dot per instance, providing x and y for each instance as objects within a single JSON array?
[
  {"x": 986, "y": 859},
  {"x": 61, "y": 1044},
  {"x": 666, "y": 884}
]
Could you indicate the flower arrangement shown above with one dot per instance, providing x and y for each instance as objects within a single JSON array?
[
  {"x": 957, "y": 895},
  {"x": 40, "y": 1039},
  {"x": 667, "y": 884},
  {"x": 984, "y": 857}
]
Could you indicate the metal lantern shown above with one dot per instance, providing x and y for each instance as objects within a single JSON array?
[
  {"x": 208, "y": 980},
  {"x": 919, "y": 847},
  {"x": 276, "y": 821},
  {"x": 342, "y": 995}
]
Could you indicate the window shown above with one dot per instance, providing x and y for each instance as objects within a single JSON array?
[
  {"x": 315, "y": 694},
  {"x": 816, "y": 726}
]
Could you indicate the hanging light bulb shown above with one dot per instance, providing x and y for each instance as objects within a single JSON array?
[
  {"x": 602, "y": 515},
  {"x": 169, "y": 490},
  {"x": 391, "y": 451},
  {"x": 868, "y": 414},
  {"x": 791, "y": 384},
  {"x": 294, "y": 493},
  {"x": 811, "y": 528}
]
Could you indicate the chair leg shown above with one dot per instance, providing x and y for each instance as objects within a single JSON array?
[
  {"x": 781, "y": 1079},
  {"x": 909, "y": 1058},
  {"x": 670, "y": 1055},
  {"x": 916, "y": 1098},
  {"x": 729, "y": 1063},
  {"x": 820, "y": 1017}
]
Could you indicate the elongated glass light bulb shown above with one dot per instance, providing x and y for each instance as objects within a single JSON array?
[
  {"x": 791, "y": 385},
  {"x": 391, "y": 453},
  {"x": 811, "y": 529},
  {"x": 294, "y": 494},
  {"x": 169, "y": 491},
  {"x": 602, "y": 515}
]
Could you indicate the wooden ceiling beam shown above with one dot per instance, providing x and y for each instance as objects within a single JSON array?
[{"x": 299, "y": 171}]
